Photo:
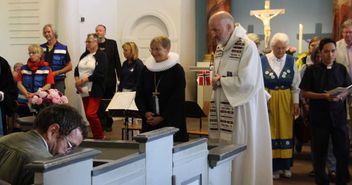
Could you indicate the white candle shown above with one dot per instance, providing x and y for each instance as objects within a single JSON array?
[{"x": 300, "y": 38}]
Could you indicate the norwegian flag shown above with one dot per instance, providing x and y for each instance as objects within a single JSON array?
[{"x": 203, "y": 78}]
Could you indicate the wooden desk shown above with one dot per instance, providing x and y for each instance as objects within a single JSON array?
[
  {"x": 200, "y": 132},
  {"x": 130, "y": 128}
]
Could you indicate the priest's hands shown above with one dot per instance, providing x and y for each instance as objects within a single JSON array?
[
  {"x": 216, "y": 81},
  {"x": 153, "y": 120}
]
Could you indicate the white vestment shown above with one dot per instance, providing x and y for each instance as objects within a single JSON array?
[{"x": 241, "y": 115}]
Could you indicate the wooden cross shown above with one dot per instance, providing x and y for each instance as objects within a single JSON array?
[{"x": 265, "y": 16}]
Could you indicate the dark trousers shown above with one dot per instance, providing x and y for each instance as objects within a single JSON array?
[
  {"x": 320, "y": 142},
  {"x": 105, "y": 118}
]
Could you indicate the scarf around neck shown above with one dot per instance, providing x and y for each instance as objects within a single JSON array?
[
  {"x": 33, "y": 66},
  {"x": 152, "y": 65}
]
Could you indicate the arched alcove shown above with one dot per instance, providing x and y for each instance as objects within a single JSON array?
[{"x": 143, "y": 27}]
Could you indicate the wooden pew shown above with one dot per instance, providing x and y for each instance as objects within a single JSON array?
[
  {"x": 220, "y": 163},
  {"x": 129, "y": 170},
  {"x": 111, "y": 150},
  {"x": 190, "y": 162},
  {"x": 135, "y": 162},
  {"x": 73, "y": 168},
  {"x": 151, "y": 159}
]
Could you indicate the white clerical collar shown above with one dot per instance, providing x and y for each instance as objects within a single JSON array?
[
  {"x": 329, "y": 66},
  {"x": 173, "y": 59}
]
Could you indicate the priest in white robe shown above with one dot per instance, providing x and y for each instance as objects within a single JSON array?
[{"x": 238, "y": 112}]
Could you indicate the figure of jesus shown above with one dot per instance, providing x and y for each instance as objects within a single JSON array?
[{"x": 265, "y": 16}]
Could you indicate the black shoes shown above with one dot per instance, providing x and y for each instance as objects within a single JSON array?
[{"x": 107, "y": 129}]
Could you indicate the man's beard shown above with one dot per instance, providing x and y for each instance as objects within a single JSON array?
[{"x": 221, "y": 42}]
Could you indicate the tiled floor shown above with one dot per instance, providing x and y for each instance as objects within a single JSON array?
[
  {"x": 302, "y": 165},
  {"x": 300, "y": 170}
]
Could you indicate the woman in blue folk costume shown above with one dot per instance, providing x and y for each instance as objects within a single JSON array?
[{"x": 281, "y": 80}]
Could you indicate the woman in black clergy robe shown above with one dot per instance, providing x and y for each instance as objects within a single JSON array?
[
  {"x": 160, "y": 95},
  {"x": 327, "y": 112}
]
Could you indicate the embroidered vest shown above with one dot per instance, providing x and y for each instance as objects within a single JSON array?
[{"x": 284, "y": 80}]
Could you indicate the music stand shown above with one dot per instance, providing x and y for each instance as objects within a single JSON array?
[
  {"x": 125, "y": 114},
  {"x": 123, "y": 105}
]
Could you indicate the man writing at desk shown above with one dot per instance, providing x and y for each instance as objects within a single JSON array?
[{"x": 57, "y": 130}]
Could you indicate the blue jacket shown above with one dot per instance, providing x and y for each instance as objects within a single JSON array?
[
  {"x": 32, "y": 81},
  {"x": 58, "y": 57}
]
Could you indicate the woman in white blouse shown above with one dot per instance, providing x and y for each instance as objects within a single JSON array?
[
  {"x": 90, "y": 77},
  {"x": 281, "y": 79}
]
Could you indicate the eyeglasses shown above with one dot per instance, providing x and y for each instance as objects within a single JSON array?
[
  {"x": 32, "y": 53},
  {"x": 70, "y": 146},
  {"x": 89, "y": 41}
]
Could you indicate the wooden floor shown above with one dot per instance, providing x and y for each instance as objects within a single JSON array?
[{"x": 300, "y": 170}]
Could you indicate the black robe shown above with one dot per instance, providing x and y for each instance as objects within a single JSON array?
[
  {"x": 317, "y": 78},
  {"x": 171, "y": 99},
  {"x": 8, "y": 87}
]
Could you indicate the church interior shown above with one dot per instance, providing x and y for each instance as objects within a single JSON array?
[{"x": 184, "y": 22}]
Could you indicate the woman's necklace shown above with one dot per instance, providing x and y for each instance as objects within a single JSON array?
[{"x": 155, "y": 95}]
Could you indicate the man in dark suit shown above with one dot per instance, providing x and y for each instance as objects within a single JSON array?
[{"x": 113, "y": 72}]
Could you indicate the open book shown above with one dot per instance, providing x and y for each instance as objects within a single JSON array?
[
  {"x": 340, "y": 90},
  {"x": 122, "y": 104}
]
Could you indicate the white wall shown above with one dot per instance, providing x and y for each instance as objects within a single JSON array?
[
  {"x": 188, "y": 44},
  {"x": 21, "y": 25},
  {"x": 98, "y": 12}
]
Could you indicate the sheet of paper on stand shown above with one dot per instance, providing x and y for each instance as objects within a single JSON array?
[{"x": 123, "y": 101}]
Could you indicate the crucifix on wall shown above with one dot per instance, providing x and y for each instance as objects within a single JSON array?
[{"x": 265, "y": 16}]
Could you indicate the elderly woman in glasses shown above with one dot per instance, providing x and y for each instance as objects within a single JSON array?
[
  {"x": 281, "y": 79},
  {"x": 90, "y": 77},
  {"x": 160, "y": 95},
  {"x": 32, "y": 76}
]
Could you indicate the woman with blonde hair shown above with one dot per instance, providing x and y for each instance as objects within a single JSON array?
[
  {"x": 131, "y": 68},
  {"x": 32, "y": 76}
]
